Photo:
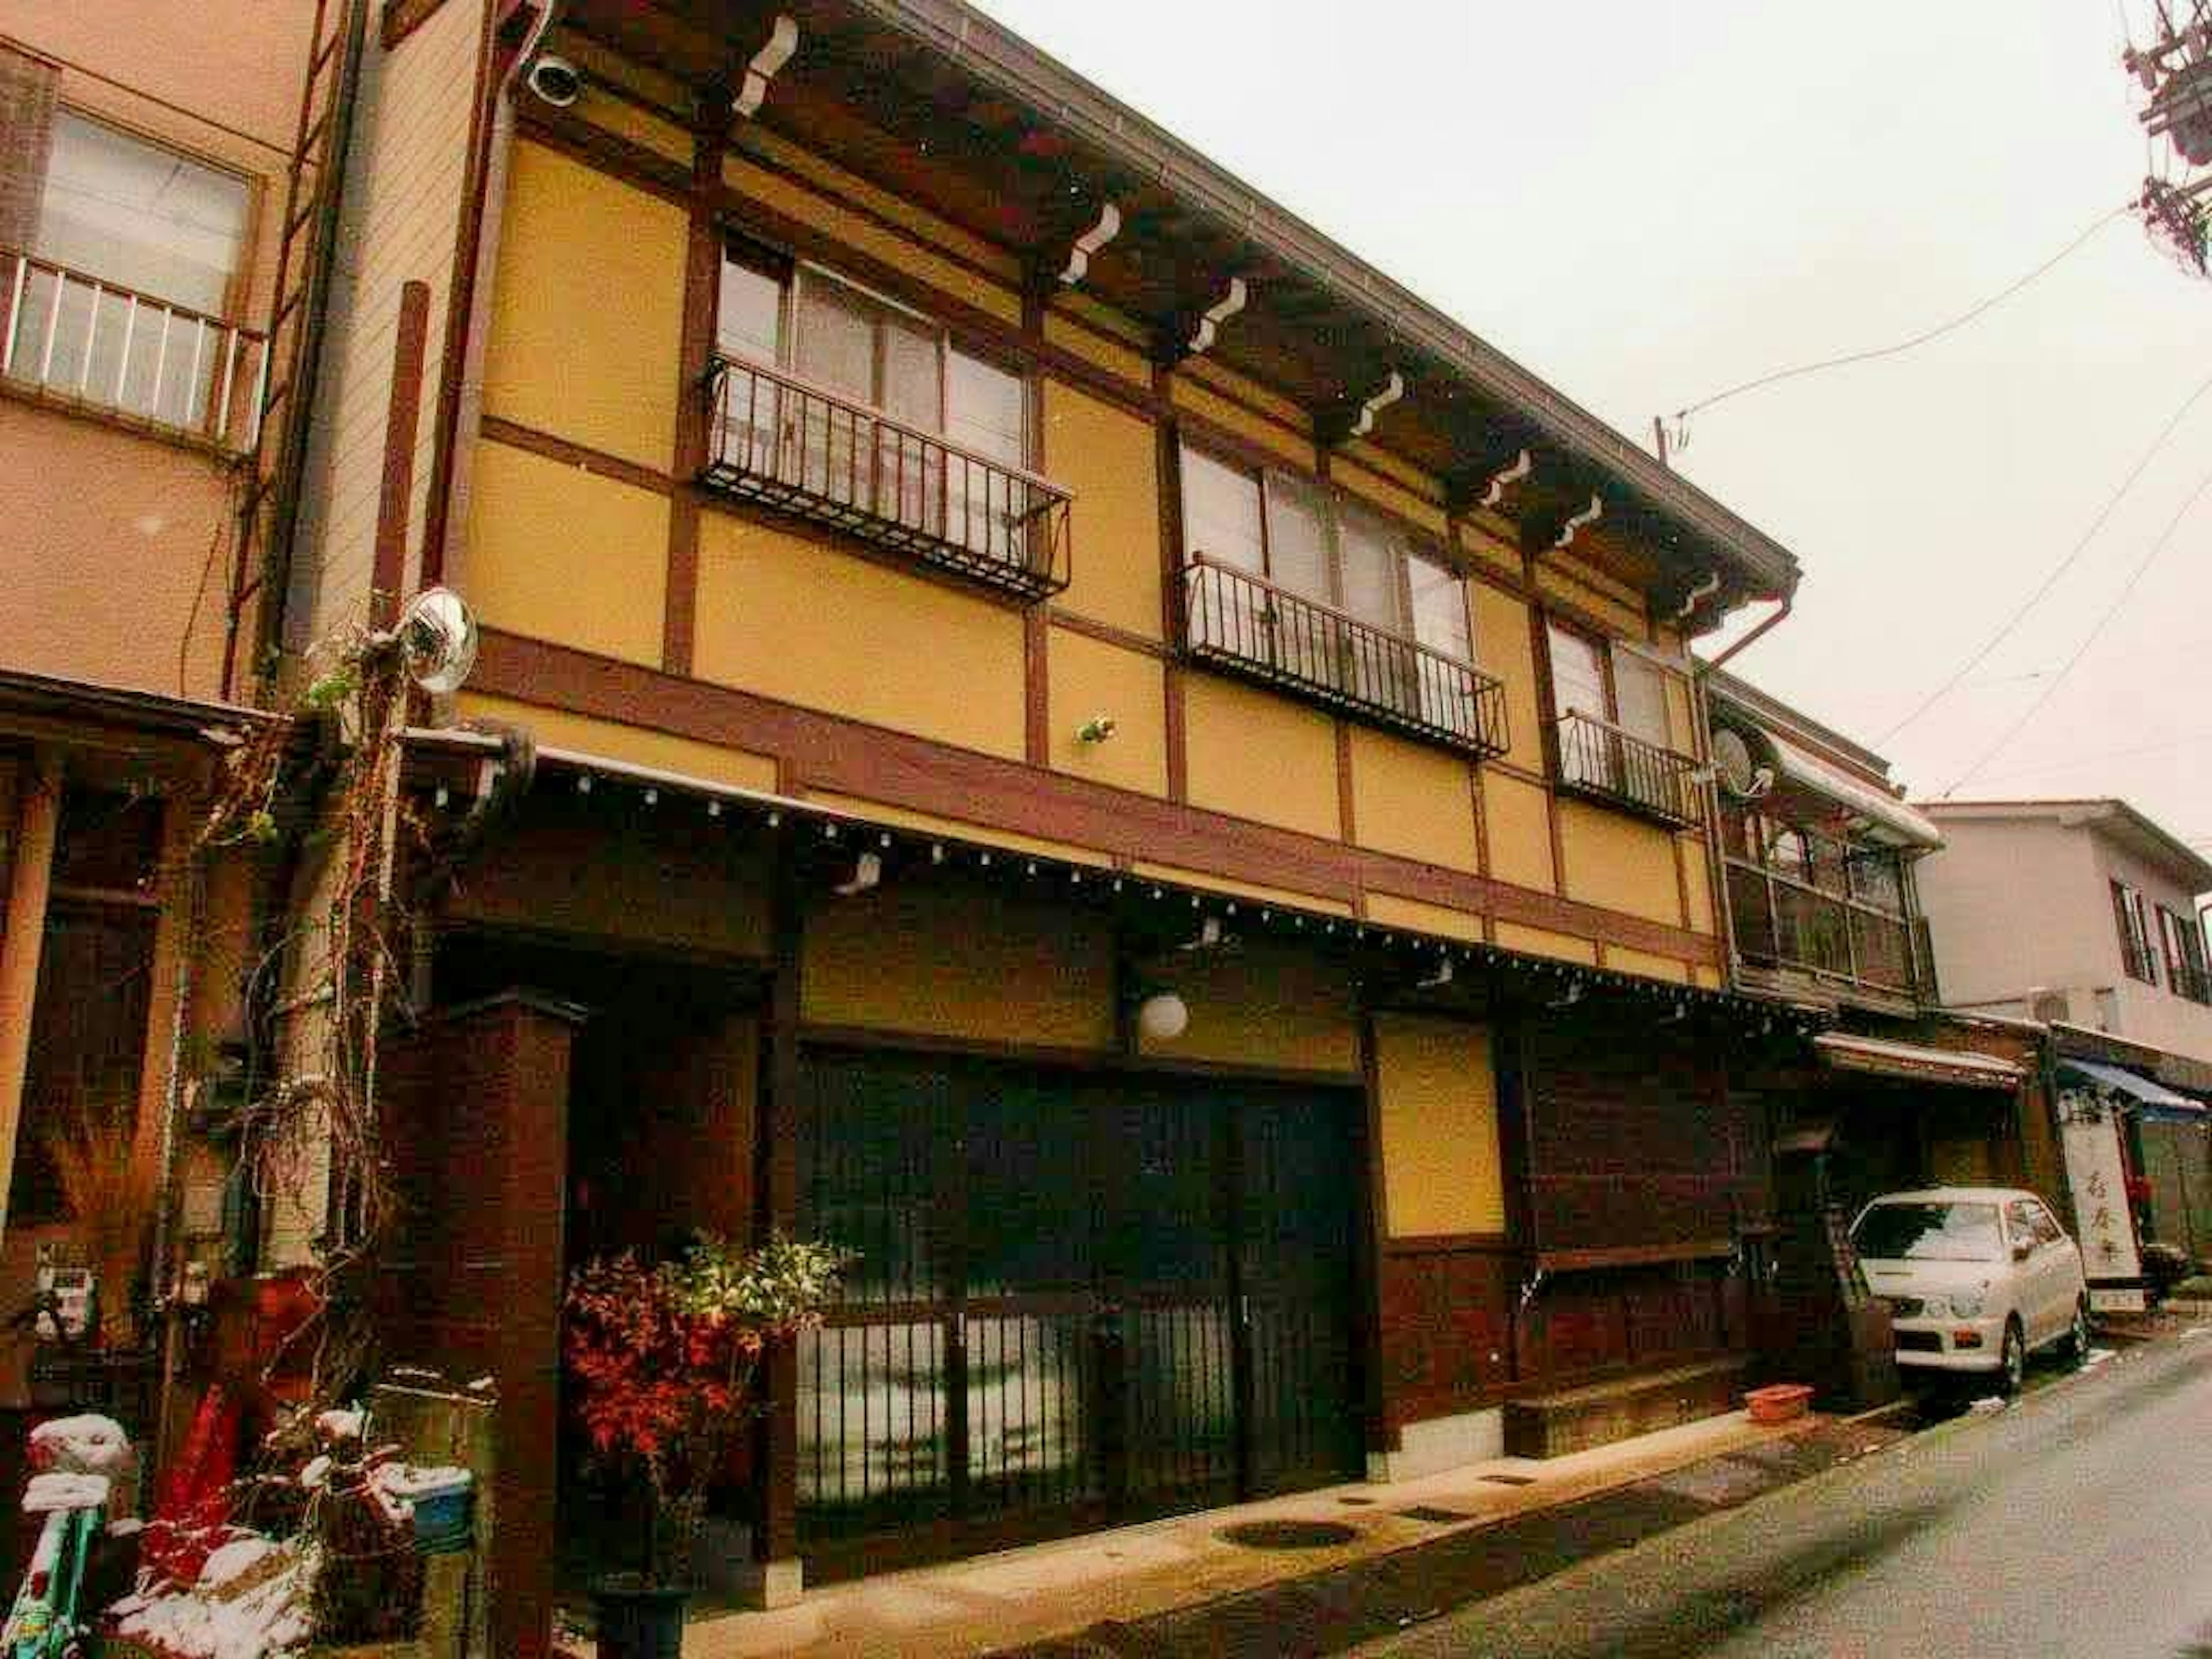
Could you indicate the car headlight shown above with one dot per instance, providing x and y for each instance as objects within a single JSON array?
[
  {"x": 1966, "y": 1304},
  {"x": 1934, "y": 1307}
]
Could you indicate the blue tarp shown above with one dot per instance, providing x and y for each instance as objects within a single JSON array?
[{"x": 2151, "y": 1099}]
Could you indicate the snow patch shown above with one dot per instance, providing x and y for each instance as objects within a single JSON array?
[
  {"x": 404, "y": 1481},
  {"x": 234, "y": 1559},
  {"x": 81, "y": 1445},
  {"x": 342, "y": 1424},
  {"x": 53, "y": 1494},
  {"x": 2097, "y": 1356},
  {"x": 316, "y": 1473},
  {"x": 1988, "y": 1405},
  {"x": 251, "y": 1602}
]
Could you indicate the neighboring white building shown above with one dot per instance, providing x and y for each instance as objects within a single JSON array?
[{"x": 2080, "y": 911}]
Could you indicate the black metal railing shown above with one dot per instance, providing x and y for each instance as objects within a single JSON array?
[
  {"x": 1784, "y": 923},
  {"x": 776, "y": 440},
  {"x": 1247, "y": 625},
  {"x": 1605, "y": 763},
  {"x": 2190, "y": 981}
]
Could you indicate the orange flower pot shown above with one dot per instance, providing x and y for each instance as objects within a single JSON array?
[{"x": 1779, "y": 1402}]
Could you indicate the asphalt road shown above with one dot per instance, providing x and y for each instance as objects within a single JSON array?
[{"x": 2077, "y": 1522}]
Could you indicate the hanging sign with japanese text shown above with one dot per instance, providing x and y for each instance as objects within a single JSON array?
[{"x": 2104, "y": 1224}]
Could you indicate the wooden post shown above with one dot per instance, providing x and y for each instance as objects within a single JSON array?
[
  {"x": 38, "y": 818},
  {"x": 776, "y": 1529}
]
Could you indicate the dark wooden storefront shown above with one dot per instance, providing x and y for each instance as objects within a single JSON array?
[{"x": 1080, "y": 1297}]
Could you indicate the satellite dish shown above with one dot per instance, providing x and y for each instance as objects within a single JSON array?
[
  {"x": 1742, "y": 772},
  {"x": 437, "y": 640}
]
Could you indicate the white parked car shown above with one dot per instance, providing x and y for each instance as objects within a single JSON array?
[{"x": 1977, "y": 1279}]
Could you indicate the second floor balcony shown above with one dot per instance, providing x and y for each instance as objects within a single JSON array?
[
  {"x": 1784, "y": 922},
  {"x": 1246, "y": 625},
  {"x": 73, "y": 339},
  {"x": 777, "y": 441},
  {"x": 1603, "y": 762}
]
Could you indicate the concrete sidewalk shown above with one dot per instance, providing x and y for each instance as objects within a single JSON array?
[{"x": 1407, "y": 1551}]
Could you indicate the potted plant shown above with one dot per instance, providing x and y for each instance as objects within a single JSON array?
[{"x": 662, "y": 1362}]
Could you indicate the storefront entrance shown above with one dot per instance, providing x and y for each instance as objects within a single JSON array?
[{"x": 1080, "y": 1299}]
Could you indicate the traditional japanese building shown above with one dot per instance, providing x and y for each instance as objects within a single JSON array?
[{"x": 1041, "y": 721}]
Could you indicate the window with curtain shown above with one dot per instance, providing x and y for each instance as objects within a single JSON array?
[{"x": 126, "y": 213}]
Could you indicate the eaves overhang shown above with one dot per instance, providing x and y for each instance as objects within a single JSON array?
[{"x": 1003, "y": 60}]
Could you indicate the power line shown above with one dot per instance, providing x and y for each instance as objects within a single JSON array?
[
  {"x": 1920, "y": 339},
  {"x": 2051, "y": 578},
  {"x": 2097, "y": 756},
  {"x": 2134, "y": 576}
]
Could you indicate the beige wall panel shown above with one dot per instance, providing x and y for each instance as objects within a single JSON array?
[
  {"x": 1110, "y": 458},
  {"x": 1589, "y": 599},
  {"x": 1242, "y": 889},
  {"x": 1088, "y": 678},
  {"x": 1618, "y": 862},
  {"x": 635, "y": 745},
  {"x": 1706, "y": 977},
  {"x": 561, "y": 554},
  {"x": 1516, "y": 816},
  {"x": 1255, "y": 755},
  {"x": 626, "y": 120},
  {"x": 1212, "y": 373},
  {"x": 586, "y": 323},
  {"x": 1294, "y": 445},
  {"x": 1413, "y": 800},
  {"x": 905, "y": 252},
  {"x": 1648, "y": 965},
  {"x": 835, "y": 181},
  {"x": 979, "y": 964},
  {"x": 1697, "y": 881},
  {"x": 1446, "y": 923},
  {"x": 1125, "y": 362},
  {"x": 1437, "y": 1091},
  {"x": 956, "y": 829},
  {"x": 789, "y": 617},
  {"x": 1542, "y": 942},
  {"x": 107, "y": 546},
  {"x": 1682, "y": 724},
  {"x": 1503, "y": 648},
  {"x": 1489, "y": 543},
  {"x": 1263, "y": 1005}
]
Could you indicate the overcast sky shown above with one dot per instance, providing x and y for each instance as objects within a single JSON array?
[{"x": 1645, "y": 202}]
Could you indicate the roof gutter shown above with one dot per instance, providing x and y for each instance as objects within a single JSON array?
[{"x": 1011, "y": 64}]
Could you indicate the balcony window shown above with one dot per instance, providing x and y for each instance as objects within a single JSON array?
[
  {"x": 1806, "y": 903},
  {"x": 2183, "y": 939},
  {"x": 1287, "y": 582},
  {"x": 836, "y": 405},
  {"x": 2134, "y": 924},
  {"x": 1609, "y": 706},
  {"x": 117, "y": 285}
]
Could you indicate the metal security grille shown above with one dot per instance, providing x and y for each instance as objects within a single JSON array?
[{"x": 1078, "y": 1297}]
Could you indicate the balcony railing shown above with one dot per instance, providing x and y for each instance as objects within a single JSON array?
[
  {"x": 69, "y": 335},
  {"x": 776, "y": 440},
  {"x": 1239, "y": 622},
  {"x": 1784, "y": 923},
  {"x": 2190, "y": 982},
  {"x": 1602, "y": 761}
]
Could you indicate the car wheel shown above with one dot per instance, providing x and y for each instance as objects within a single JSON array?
[
  {"x": 2077, "y": 1335},
  {"x": 2012, "y": 1362}
]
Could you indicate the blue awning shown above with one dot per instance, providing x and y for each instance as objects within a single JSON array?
[{"x": 2149, "y": 1098}]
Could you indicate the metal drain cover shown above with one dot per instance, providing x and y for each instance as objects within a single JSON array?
[{"x": 1289, "y": 1535}]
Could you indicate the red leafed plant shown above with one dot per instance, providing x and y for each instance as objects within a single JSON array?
[{"x": 662, "y": 1361}]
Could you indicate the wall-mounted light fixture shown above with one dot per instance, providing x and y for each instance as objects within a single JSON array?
[{"x": 1163, "y": 1017}]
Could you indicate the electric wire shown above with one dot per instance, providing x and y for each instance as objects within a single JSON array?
[
  {"x": 1872, "y": 354},
  {"x": 2051, "y": 578},
  {"x": 2135, "y": 578}
]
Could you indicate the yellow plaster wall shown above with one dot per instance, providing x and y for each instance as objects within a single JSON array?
[
  {"x": 836, "y": 181},
  {"x": 1260, "y": 756},
  {"x": 982, "y": 963},
  {"x": 1423, "y": 917},
  {"x": 1697, "y": 874},
  {"x": 1412, "y": 799},
  {"x": 1436, "y": 1093},
  {"x": 1242, "y": 889},
  {"x": 1557, "y": 580},
  {"x": 1503, "y": 648},
  {"x": 1296, "y": 447},
  {"x": 905, "y": 252},
  {"x": 785, "y": 616},
  {"x": 561, "y": 554},
  {"x": 640, "y": 127},
  {"x": 1110, "y": 459},
  {"x": 1263, "y": 1005},
  {"x": 1644, "y": 963},
  {"x": 1108, "y": 353},
  {"x": 1517, "y": 819},
  {"x": 556, "y": 728},
  {"x": 1681, "y": 725},
  {"x": 1088, "y": 678},
  {"x": 1707, "y": 977},
  {"x": 1211, "y": 372},
  {"x": 1617, "y": 862},
  {"x": 954, "y": 829},
  {"x": 587, "y": 309},
  {"x": 1484, "y": 539},
  {"x": 1542, "y": 942}
]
